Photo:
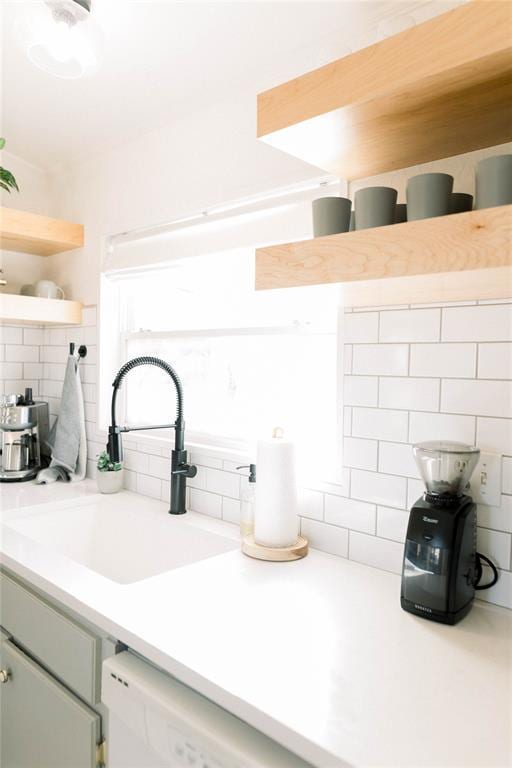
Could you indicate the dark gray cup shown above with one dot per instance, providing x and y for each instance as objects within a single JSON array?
[
  {"x": 374, "y": 207},
  {"x": 429, "y": 195},
  {"x": 352, "y": 221},
  {"x": 400, "y": 213},
  {"x": 460, "y": 202},
  {"x": 331, "y": 215},
  {"x": 493, "y": 181}
]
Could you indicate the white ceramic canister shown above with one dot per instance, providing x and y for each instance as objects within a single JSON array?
[{"x": 276, "y": 520}]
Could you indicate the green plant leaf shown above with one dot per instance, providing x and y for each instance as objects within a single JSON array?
[{"x": 2, "y": 143}]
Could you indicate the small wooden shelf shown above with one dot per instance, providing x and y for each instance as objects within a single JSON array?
[
  {"x": 40, "y": 235},
  {"x": 463, "y": 244},
  {"x": 35, "y": 311},
  {"x": 439, "y": 89}
]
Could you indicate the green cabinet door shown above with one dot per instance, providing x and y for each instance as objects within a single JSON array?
[{"x": 43, "y": 725}]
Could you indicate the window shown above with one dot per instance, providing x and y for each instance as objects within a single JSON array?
[{"x": 249, "y": 360}]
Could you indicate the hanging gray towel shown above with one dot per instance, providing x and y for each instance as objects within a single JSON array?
[{"x": 67, "y": 439}]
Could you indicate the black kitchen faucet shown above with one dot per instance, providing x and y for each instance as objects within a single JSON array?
[{"x": 180, "y": 469}]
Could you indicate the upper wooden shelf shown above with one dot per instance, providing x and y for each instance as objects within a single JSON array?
[
  {"x": 439, "y": 89},
  {"x": 372, "y": 258},
  {"x": 40, "y": 235}
]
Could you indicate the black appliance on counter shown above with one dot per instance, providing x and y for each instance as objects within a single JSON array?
[{"x": 441, "y": 567}]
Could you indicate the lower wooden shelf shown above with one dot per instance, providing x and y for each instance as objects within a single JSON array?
[
  {"x": 35, "y": 311},
  {"x": 450, "y": 258}
]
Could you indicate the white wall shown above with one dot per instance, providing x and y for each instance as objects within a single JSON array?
[
  {"x": 206, "y": 158},
  {"x": 34, "y": 196}
]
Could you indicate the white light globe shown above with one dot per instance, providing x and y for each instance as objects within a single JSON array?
[{"x": 60, "y": 37}]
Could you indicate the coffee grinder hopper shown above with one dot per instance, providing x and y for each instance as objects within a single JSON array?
[{"x": 445, "y": 466}]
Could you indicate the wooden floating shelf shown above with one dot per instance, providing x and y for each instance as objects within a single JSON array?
[
  {"x": 35, "y": 311},
  {"x": 30, "y": 233},
  {"x": 439, "y": 89},
  {"x": 466, "y": 255}
]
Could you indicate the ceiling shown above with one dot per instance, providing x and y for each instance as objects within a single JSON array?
[{"x": 162, "y": 59}]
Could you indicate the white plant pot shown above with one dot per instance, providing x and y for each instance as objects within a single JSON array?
[{"x": 110, "y": 482}]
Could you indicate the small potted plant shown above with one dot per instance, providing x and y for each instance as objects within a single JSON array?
[{"x": 109, "y": 475}]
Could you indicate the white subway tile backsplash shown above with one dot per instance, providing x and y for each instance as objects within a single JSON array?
[
  {"x": 379, "y": 553},
  {"x": 149, "y": 486},
  {"x": 443, "y": 360},
  {"x": 483, "y": 398},
  {"x": 415, "y": 489},
  {"x": 32, "y": 370},
  {"x": 361, "y": 328},
  {"x": 501, "y": 593},
  {"x": 230, "y": 510},
  {"x": 136, "y": 461},
  {"x": 380, "y": 424},
  {"x": 51, "y": 354},
  {"x": 360, "y": 453},
  {"x": 348, "y": 513},
  {"x": 21, "y": 354},
  {"x": 397, "y": 459},
  {"x": 10, "y": 334},
  {"x": 199, "y": 481},
  {"x": 409, "y": 393},
  {"x": 410, "y": 325},
  {"x": 392, "y": 523},
  {"x": 479, "y": 323},
  {"x": 386, "y": 490},
  {"x": 496, "y": 546},
  {"x": 10, "y": 370},
  {"x": 494, "y": 435},
  {"x": 225, "y": 483},
  {"x": 159, "y": 467},
  {"x": 205, "y": 503},
  {"x": 497, "y": 518},
  {"x": 441, "y": 426},
  {"x": 311, "y": 503},
  {"x": 360, "y": 390},
  {"x": 328, "y": 538},
  {"x": 33, "y": 336},
  {"x": 380, "y": 359},
  {"x": 495, "y": 361},
  {"x": 394, "y": 370},
  {"x": 347, "y": 358}
]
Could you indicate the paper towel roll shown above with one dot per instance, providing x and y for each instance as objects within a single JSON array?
[{"x": 276, "y": 520}]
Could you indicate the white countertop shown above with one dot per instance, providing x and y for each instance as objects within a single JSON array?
[{"x": 316, "y": 653}]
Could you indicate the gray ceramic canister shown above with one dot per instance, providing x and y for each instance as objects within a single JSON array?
[
  {"x": 375, "y": 207},
  {"x": 331, "y": 215},
  {"x": 493, "y": 183},
  {"x": 429, "y": 195},
  {"x": 400, "y": 213},
  {"x": 460, "y": 202},
  {"x": 352, "y": 221}
]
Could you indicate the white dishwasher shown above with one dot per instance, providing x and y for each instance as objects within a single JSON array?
[{"x": 157, "y": 722}]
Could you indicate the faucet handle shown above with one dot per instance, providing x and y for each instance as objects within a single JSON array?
[{"x": 188, "y": 470}]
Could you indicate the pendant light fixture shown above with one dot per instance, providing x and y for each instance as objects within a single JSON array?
[{"x": 60, "y": 37}]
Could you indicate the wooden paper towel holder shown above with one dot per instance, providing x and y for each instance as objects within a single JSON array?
[{"x": 275, "y": 554}]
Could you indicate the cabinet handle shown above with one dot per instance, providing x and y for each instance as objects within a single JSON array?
[{"x": 4, "y": 675}]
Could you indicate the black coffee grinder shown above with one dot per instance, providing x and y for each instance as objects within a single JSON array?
[{"x": 441, "y": 567}]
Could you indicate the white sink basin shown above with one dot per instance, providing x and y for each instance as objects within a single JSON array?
[{"x": 121, "y": 539}]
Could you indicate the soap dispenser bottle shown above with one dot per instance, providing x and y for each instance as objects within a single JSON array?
[{"x": 247, "y": 503}]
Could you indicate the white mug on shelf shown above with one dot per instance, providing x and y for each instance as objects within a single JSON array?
[{"x": 46, "y": 289}]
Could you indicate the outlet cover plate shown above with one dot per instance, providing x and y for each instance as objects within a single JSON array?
[{"x": 485, "y": 483}]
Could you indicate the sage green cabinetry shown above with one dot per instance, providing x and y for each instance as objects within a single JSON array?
[
  {"x": 50, "y": 674},
  {"x": 42, "y": 723}
]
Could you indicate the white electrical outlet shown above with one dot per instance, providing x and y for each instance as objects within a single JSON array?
[{"x": 485, "y": 483}]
